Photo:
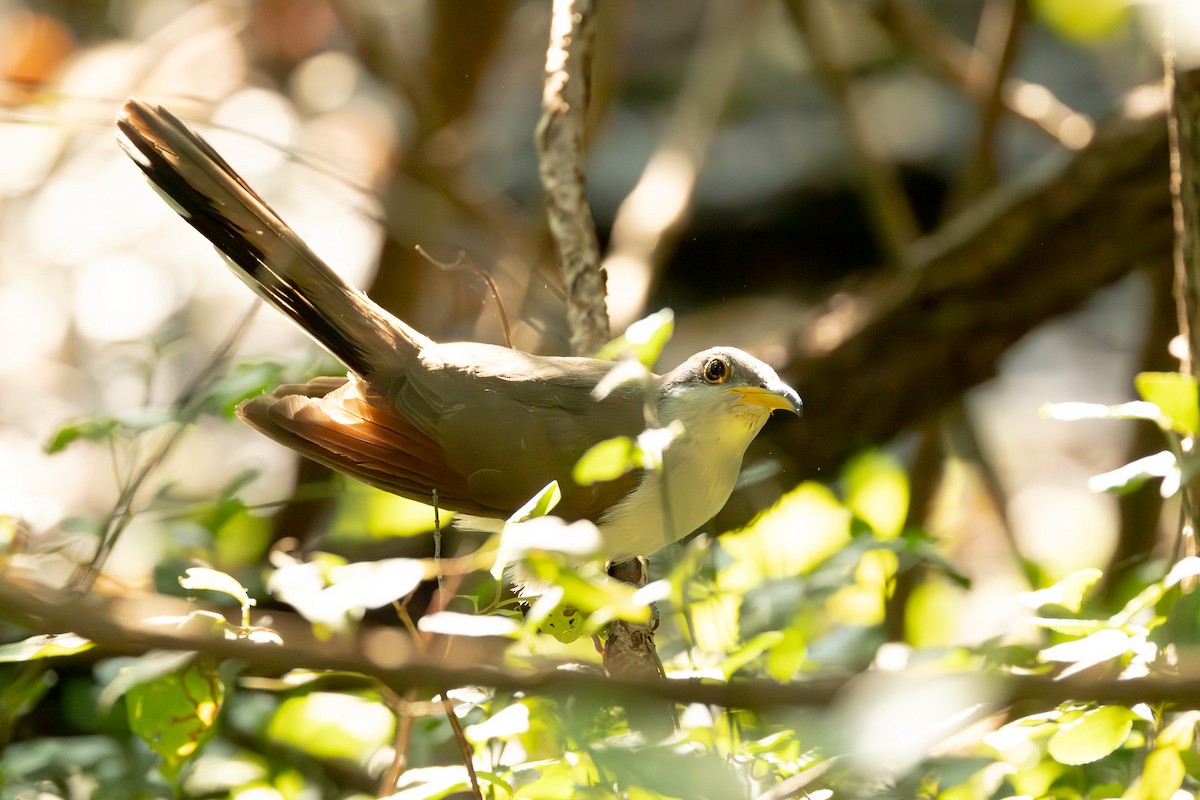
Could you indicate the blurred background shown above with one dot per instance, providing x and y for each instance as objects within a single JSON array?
[{"x": 767, "y": 170}]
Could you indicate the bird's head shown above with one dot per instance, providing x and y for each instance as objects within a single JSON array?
[{"x": 724, "y": 383}]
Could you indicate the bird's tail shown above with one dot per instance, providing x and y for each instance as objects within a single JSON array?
[{"x": 259, "y": 246}]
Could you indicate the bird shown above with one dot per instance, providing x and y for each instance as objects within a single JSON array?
[{"x": 482, "y": 427}]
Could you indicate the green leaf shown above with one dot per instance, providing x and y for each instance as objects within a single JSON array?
[
  {"x": 607, "y": 460},
  {"x": 1067, "y": 593},
  {"x": 644, "y": 339},
  {"x": 90, "y": 429},
  {"x": 1161, "y": 777},
  {"x": 243, "y": 382},
  {"x": 564, "y": 623},
  {"x": 750, "y": 651},
  {"x": 1175, "y": 394},
  {"x": 1180, "y": 734},
  {"x": 45, "y": 646},
  {"x": 877, "y": 492},
  {"x": 1133, "y": 475},
  {"x": 176, "y": 713},
  {"x": 204, "y": 579},
  {"x": 1091, "y": 736},
  {"x": 1083, "y": 20},
  {"x": 332, "y": 725},
  {"x": 540, "y": 504}
]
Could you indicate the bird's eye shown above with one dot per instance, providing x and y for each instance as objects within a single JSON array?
[{"x": 716, "y": 370}]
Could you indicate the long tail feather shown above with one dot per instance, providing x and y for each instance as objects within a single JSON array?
[{"x": 260, "y": 247}]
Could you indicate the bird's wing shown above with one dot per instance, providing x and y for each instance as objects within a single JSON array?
[
  {"x": 502, "y": 440},
  {"x": 340, "y": 423},
  {"x": 511, "y": 422}
]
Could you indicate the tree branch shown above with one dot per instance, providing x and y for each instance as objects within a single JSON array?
[
  {"x": 560, "y": 147},
  {"x": 875, "y": 362},
  {"x": 115, "y": 625}
]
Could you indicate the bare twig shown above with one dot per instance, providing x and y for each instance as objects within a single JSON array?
[
  {"x": 995, "y": 51},
  {"x": 950, "y": 58},
  {"x": 560, "y": 146},
  {"x": 889, "y": 210},
  {"x": 464, "y": 746},
  {"x": 463, "y": 263},
  {"x": 186, "y": 408},
  {"x": 1183, "y": 141},
  {"x": 648, "y": 221}
]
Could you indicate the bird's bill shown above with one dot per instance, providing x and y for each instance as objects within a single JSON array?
[{"x": 783, "y": 398}]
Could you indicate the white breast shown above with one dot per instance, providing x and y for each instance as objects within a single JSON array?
[{"x": 700, "y": 470}]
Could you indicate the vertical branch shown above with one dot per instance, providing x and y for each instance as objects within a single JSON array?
[
  {"x": 891, "y": 214},
  {"x": 1183, "y": 140},
  {"x": 1183, "y": 131},
  {"x": 560, "y": 144},
  {"x": 991, "y": 61}
]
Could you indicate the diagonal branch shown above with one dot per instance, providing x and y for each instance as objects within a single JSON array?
[{"x": 881, "y": 360}]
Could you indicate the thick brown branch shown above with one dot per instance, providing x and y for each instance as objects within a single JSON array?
[
  {"x": 1017, "y": 258},
  {"x": 109, "y": 624}
]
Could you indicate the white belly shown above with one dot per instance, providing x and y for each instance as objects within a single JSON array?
[{"x": 700, "y": 475}]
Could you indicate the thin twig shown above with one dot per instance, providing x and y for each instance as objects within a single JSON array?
[
  {"x": 950, "y": 58},
  {"x": 560, "y": 146},
  {"x": 405, "y": 720},
  {"x": 891, "y": 213},
  {"x": 996, "y": 45},
  {"x": 462, "y": 262},
  {"x": 186, "y": 408},
  {"x": 463, "y": 745}
]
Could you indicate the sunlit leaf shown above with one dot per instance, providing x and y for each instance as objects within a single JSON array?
[
  {"x": 1083, "y": 20},
  {"x": 643, "y": 339},
  {"x": 594, "y": 594},
  {"x": 506, "y": 723},
  {"x": 175, "y": 714},
  {"x": 749, "y": 651},
  {"x": 563, "y": 623},
  {"x": 1074, "y": 411},
  {"x": 129, "y": 672},
  {"x": 607, "y": 460},
  {"x": 331, "y": 592},
  {"x": 787, "y": 656},
  {"x": 807, "y": 526},
  {"x": 1188, "y": 567},
  {"x": 931, "y": 615},
  {"x": 1180, "y": 733},
  {"x": 877, "y": 492},
  {"x": 452, "y": 622},
  {"x": 1133, "y": 475},
  {"x": 1092, "y": 736},
  {"x": 1162, "y": 775},
  {"x": 1094, "y": 649},
  {"x": 367, "y": 513},
  {"x": 204, "y": 579},
  {"x": 1067, "y": 593},
  {"x": 45, "y": 646},
  {"x": 540, "y": 504},
  {"x": 1176, "y": 395},
  {"x": 332, "y": 725}
]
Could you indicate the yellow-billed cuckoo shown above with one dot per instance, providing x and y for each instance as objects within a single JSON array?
[{"x": 485, "y": 426}]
